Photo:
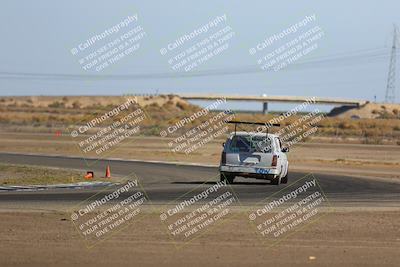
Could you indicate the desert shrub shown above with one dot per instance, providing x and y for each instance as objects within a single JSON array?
[
  {"x": 153, "y": 130},
  {"x": 36, "y": 119},
  {"x": 386, "y": 115},
  {"x": 56, "y": 104},
  {"x": 76, "y": 105},
  {"x": 52, "y": 118},
  {"x": 169, "y": 103},
  {"x": 182, "y": 105},
  {"x": 154, "y": 105},
  {"x": 96, "y": 106},
  {"x": 344, "y": 125}
]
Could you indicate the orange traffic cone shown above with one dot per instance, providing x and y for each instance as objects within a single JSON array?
[
  {"x": 108, "y": 172},
  {"x": 89, "y": 175}
]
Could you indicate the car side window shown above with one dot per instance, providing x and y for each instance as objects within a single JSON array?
[
  {"x": 280, "y": 143},
  {"x": 277, "y": 144}
]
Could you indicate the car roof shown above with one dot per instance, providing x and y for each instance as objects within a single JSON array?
[{"x": 252, "y": 133}]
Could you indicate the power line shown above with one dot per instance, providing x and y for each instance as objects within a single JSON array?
[{"x": 346, "y": 59}]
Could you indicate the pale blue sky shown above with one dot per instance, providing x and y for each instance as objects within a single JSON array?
[{"x": 36, "y": 37}]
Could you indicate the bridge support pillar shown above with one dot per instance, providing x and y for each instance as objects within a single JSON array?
[{"x": 265, "y": 108}]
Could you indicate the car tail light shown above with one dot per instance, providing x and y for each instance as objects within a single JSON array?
[
  {"x": 274, "y": 161},
  {"x": 223, "y": 158}
]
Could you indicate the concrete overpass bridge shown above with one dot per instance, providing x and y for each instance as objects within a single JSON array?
[{"x": 265, "y": 99}]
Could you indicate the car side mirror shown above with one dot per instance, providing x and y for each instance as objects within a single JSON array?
[
  {"x": 285, "y": 149},
  {"x": 223, "y": 144}
]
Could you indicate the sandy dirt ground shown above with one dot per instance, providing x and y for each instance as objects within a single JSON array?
[
  {"x": 45, "y": 236},
  {"x": 340, "y": 238},
  {"x": 377, "y": 161}
]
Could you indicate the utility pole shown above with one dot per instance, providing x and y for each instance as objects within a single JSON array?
[{"x": 390, "y": 96}]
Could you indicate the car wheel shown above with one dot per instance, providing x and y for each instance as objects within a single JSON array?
[
  {"x": 227, "y": 177},
  {"x": 276, "y": 181},
  {"x": 284, "y": 180}
]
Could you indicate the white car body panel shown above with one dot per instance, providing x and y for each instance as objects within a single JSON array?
[{"x": 241, "y": 158}]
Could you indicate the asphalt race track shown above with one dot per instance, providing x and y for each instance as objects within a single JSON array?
[{"x": 167, "y": 182}]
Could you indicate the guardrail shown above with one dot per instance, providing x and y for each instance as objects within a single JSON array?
[{"x": 293, "y": 99}]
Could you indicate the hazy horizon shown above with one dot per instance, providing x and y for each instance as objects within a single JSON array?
[{"x": 352, "y": 59}]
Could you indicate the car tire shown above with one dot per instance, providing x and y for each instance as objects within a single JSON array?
[
  {"x": 284, "y": 180},
  {"x": 276, "y": 181},
  {"x": 227, "y": 177}
]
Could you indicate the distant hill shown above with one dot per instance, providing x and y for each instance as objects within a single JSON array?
[{"x": 87, "y": 101}]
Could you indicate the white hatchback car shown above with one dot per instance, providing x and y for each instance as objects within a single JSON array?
[{"x": 254, "y": 155}]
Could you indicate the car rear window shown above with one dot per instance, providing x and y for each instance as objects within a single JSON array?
[{"x": 249, "y": 144}]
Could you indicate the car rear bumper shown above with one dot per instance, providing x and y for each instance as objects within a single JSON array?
[{"x": 249, "y": 170}]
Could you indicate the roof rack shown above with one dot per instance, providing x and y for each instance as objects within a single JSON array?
[{"x": 254, "y": 123}]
